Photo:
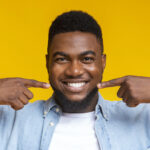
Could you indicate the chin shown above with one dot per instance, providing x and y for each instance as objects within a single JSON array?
[{"x": 76, "y": 102}]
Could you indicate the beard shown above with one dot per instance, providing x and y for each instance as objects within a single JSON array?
[{"x": 68, "y": 105}]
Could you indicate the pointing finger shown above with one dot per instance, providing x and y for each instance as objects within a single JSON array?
[
  {"x": 111, "y": 83},
  {"x": 23, "y": 99},
  {"x": 35, "y": 83}
]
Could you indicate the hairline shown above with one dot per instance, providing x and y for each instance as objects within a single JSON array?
[{"x": 100, "y": 41}]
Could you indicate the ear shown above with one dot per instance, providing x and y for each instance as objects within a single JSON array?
[{"x": 103, "y": 61}]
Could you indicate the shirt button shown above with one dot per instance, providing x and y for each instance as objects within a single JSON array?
[
  {"x": 57, "y": 109},
  {"x": 45, "y": 112},
  {"x": 97, "y": 117},
  {"x": 51, "y": 124}
]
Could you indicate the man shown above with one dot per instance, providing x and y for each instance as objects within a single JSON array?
[{"x": 76, "y": 116}]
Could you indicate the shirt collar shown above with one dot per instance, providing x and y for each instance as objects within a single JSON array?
[
  {"x": 100, "y": 107},
  {"x": 49, "y": 104}
]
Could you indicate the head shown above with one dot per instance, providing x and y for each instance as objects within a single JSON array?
[{"x": 75, "y": 60}]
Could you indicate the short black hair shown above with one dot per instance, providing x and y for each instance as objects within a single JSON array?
[{"x": 75, "y": 21}]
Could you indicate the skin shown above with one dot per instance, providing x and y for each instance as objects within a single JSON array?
[{"x": 75, "y": 57}]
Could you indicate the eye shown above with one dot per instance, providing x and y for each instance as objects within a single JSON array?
[
  {"x": 61, "y": 60},
  {"x": 88, "y": 59}
]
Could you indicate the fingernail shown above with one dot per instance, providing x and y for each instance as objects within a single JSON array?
[
  {"x": 98, "y": 85},
  {"x": 46, "y": 85}
]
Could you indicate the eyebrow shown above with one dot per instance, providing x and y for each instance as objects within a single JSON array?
[
  {"x": 82, "y": 54},
  {"x": 88, "y": 52},
  {"x": 59, "y": 53}
]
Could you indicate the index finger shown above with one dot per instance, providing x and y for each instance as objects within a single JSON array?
[
  {"x": 112, "y": 83},
  {"x": 34, "y": 83}
]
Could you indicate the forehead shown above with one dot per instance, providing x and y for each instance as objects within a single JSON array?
[{"x": 75, "y": 42}]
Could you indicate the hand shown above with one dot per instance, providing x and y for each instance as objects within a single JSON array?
[
  {"x": 133, "y": 89},
  {"x": 15, "y": 92}
]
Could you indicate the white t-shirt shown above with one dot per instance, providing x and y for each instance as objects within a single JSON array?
[{"x": 75, "y": 131}]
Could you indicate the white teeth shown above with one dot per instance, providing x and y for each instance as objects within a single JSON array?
[{"x": 76, "y": 85}]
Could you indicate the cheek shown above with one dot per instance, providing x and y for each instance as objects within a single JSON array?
[
  {"x": 96, "y": 73},
  {"x": 55, "y": 72}
]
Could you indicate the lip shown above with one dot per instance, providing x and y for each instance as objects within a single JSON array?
[{"x": 74, "y": 89}]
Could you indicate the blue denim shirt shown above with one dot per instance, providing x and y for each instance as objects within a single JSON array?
[{"x": 117, "y": 126}]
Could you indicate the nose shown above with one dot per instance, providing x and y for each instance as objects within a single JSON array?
[{"x": 74, "y": 69}]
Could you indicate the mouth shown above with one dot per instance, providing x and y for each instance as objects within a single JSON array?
[{"x": 75, "y": 86}]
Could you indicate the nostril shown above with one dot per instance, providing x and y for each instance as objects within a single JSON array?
[{"x": 64, "y": 82}]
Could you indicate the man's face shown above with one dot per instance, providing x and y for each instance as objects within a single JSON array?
[{"x": 75, "y": 64}]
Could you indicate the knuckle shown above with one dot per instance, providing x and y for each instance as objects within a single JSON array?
[
  {"x": 127, "y": 77},
  {"x": 23, "y": 100},
  {"x": 13, "y": 107},
  {"x": 134, "y": 95},
  {"x": 135, "y": 102},
  {"x": 111, "y": 82},
  {"x": 15, "y": 102},
  {"x": 17, "y": 78},
  {"x": 130, "y": 103},
  {"x": 26, "y": 102},
  {"x": 18, "y": 83},
  {"x": 128, "y": 82},
  {"x": 33, "y": 81},
  {"x": 19, "y": 106},
  {"x": 130, "y": 85}
]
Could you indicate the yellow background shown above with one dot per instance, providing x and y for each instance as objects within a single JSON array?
[{"x": 24, "y": 28}]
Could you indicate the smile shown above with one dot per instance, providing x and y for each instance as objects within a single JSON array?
[{"x": 75, "y": 87}]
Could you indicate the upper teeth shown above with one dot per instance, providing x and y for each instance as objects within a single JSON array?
[{"x": 76, "y": 84}]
